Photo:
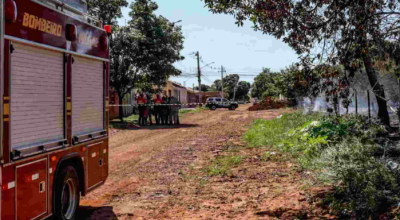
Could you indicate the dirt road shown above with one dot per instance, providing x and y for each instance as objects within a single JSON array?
[{"x": 159, "y": 172}]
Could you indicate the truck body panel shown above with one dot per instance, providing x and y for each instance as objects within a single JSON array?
[{"x": 54, "y": 98}]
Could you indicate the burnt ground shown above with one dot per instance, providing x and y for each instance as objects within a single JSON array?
[{"x": 160, "y": 172}]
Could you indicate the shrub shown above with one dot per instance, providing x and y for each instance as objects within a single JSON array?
[
  {"x": 364, "y": 183},
  {"x": 347, "y": 152}
]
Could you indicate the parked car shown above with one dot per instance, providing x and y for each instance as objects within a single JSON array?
[{"x": 217, "y": 102}]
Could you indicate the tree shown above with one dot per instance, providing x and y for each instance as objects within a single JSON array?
[
  {"x": 123, "y": 71},
  {"x": 216, "y": 86},
  {"x": 231, "y": 82},
  {"x": 343, "y": 32},
  {"x": 264, "y": 84},
  {"x": 107, "y": 10},
  {"x": 204, "y": 88},
  {"x": 144, "y": 50},
  {"x": 242, "y": 90}
]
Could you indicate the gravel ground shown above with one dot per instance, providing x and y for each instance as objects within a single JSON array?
[{"x": 158, "y": 172}]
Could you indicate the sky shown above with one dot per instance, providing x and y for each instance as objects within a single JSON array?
[{"x": 240, "y": 50}]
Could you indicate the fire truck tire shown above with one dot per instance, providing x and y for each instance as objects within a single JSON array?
[{"x": 66, "y": 194}]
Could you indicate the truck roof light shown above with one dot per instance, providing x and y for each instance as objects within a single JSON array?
[
  {"x": 107, "y": 28},
  {"x": 11, "y": 11},
  {"x": 53, "y": 158}
]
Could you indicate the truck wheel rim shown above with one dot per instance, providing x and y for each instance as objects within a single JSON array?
[{"x": 68, "y": 199}]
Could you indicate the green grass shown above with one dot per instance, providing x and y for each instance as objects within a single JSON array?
[
  {"x": 273, "y": 132},
  {"x": 131, "y": 118},
  {"x": 190, "y": 111},
  {"x": 343, "y": 152},
  {"x": 222, "y": 165},
  {"x": 182, "y": 112}
]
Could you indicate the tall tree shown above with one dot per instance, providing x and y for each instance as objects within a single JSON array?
[
  {"x": 143, "y": 50},
  {"x": 231, "y": 82},
  {"x": 264, "y": 84},
  {"x": 242, "y": 90},
  {"x": 123, "y": 71},
  {"x": 327, "y": 31},
  {"x": 204, "y": 88},
  {"x": 107, "y": 10},
  {"x": 162, "y": 44}
]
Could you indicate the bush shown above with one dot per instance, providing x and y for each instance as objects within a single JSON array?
[
  {"x": 346, "y": 153},
  {"x": 366, "y": 187}
]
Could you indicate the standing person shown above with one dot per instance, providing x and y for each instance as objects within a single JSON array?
[
  {"x": 141, "y": 101},
  {"x": 149, "y": 110},
  {"x": 157, "y": 108}
]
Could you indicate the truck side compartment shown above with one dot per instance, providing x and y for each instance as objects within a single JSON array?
[{"x": 55, "y": 111}]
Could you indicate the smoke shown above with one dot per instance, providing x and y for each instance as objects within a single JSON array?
[
  {"x": 319, "y": 104},
  {"x": 360, "y": 83}
]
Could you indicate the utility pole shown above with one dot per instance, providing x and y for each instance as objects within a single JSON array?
[
  {"x": 199, "y": 76},
  {"x": 222, "y": 81}
]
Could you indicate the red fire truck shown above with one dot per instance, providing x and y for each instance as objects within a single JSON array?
[{"x": 54, "y": 97}]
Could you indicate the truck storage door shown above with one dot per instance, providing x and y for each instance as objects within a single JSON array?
[
  {"x": 87, "y": 96},
  {"x": 88, "y": 112},
  {"x": 37, "y": 97}
]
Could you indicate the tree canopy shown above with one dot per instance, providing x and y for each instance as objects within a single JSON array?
[
  {"x": 107, "y": 10},
  {"x": 231, "y": 83},
  {"x": 264, "y": 84},
  {"x": 144, "y": 50},
  {"x": 353, "y": 33},
  {"x": 204, "y": 88}
]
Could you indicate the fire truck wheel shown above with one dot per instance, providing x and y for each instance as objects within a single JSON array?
[{"x": 66, "y": 194}]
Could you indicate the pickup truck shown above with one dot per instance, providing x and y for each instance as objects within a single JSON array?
[{"x": 217, "y": 102}]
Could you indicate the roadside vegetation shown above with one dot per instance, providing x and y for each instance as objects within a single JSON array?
[
  {"x": 222, "y": 165},
  {"x": 359, "y": 160},
  {"x": 191, "y": 111}
]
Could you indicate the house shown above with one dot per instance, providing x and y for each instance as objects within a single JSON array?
[
  {"x": 129, "y": 99},
  {"x": 193, "y": 95},
  {"x": 174, "y": 89}
]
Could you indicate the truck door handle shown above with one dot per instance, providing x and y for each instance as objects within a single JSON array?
[{"x": 42, "y": 186}]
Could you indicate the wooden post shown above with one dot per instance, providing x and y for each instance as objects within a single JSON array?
[
  {"x": 369, "y": 107},
  {"x": 356, "y": 101},
  {"x": 398, "y": 109}
]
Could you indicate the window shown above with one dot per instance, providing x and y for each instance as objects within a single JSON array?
[
  {"x": 210, "y": 99},
  {"x": 217, "y": 100},
  {"x": 225, "y": 100}
]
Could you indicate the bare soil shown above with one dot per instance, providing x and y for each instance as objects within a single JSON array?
[{"x": 159, "y": 172}]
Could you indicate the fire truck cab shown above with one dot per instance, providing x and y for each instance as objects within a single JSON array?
[{"x": 54, "y": 76}]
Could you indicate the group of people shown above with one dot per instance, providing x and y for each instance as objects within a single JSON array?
[{"x": 164, "y": 113}]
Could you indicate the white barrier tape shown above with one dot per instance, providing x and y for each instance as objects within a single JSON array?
[{"x": 167, "y": 104}]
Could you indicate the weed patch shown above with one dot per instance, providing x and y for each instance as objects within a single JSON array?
[
  {"x": 346, "y": 152},
  {"x": 190, "y": 111},
  {"x": 222, "y": 165}
]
